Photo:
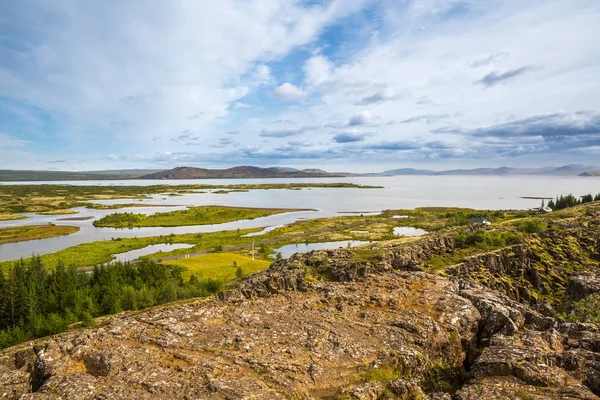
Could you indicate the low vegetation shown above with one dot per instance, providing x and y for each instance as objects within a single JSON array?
[
  {"x": 586, "y": 310},
  {"x": 11, "y": 217},
  {"x": 34, "y": 232},
  {"x": 192, "y": 216},
  {"x": 222, "y": 266},
  {"x": 98, "y": 206},
  {"x": 487, "y": 239},
  {"x": 58, "y": 212},
  {"x": 36, "y": 301},
  {"x": 533, "y": 226}
]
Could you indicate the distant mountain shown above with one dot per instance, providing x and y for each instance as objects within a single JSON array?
[
  {"x": 284, "y": 169},
  {"x": 242, "y": 172},
  {"x": 409, "y": 171},
  {"x": 566, "y": 170},
  {"x": 14, "y": 175},
  {"x": 590, "y": 173}
]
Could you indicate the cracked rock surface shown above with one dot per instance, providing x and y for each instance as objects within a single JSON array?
[{"x": 379, "y": 329}]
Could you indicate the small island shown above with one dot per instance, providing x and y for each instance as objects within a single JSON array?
[{"x": 208, "y": 215}]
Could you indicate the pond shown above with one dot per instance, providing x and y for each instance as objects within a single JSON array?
[
  {"x": 154, "y": 248},
  {"x": 408, "y": 231},
  {"x": 265, "y": 230},
  {"x": 290, "y": 249}
]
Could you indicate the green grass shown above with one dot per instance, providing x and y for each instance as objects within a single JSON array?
[
  {"x": 97, "y": 206},
  {"x": 100, "y": 252},
  {"x": 34, "y": 232},
  {"x": 382, "y": 374},
  {"x": 11, "y": 217},
  {"x": 219, "y": 265},
  {"x": 66, "y": 211},
  {"x": 208, "y": 215}
]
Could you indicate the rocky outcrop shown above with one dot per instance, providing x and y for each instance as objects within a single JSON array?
[
  {"x": 582, "y": 285},
  {"x": 362, "y": 324},
  {"x": 329, "y": 338},
  {"x": 541, "y": 268}
]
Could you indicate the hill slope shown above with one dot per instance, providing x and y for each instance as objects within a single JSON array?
[
  {"x": 241, "y": 172},
  {"x": 17, "y": 175}
]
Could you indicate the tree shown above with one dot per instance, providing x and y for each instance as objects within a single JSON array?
[{"x": 239, "y": 272}]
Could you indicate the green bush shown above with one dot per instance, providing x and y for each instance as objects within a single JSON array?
[
  {"x": 533, "y": 226},
  {"x": 484, "y": 239},
  {"x": 586, "y": 310}
]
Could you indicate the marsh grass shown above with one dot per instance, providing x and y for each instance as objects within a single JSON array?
[
  {"x": 11, "y": 217},
  {"x": 34, "y": 232},
  {"x": 207, "y": 215}
]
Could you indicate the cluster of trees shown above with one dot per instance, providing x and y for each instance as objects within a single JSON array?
[
  {"x": 36, "y": 301},
  {"x": 564, "y": 201}
]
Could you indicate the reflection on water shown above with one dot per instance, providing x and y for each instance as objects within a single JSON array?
[
  {"x": 408, "y": 231},
  {"x": 154, "y": 248},
  {"x": 290, "y": 249}
]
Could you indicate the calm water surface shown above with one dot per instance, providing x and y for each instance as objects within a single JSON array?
[
  {"x": 399, "y": 192},
  {"x": 153, "y": 248},
  {"x": 290, "y": 249}
]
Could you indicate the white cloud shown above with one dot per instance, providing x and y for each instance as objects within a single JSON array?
[
  {"x": 185, "y": 56},
  {"x": 361, "y": 118},
  {"x": 182, "y": 65},
  {"x": 287, "y": 91},
  {"x": 8, "y": 141},
  {"x": 317, "y": 70}
]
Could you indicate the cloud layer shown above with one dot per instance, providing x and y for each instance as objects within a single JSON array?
[{"x": 363, "y": 83}]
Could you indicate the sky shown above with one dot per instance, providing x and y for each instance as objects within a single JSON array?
[{"x": 342, "y": 85}]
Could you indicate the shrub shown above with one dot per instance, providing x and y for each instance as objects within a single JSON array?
[
  {"x": 239, "y": 272},
  {"x": 586, "y": 310},
  {"x": 533, "y": 226}
]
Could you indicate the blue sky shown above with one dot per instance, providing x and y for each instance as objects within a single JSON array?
[{"x": 355, "y": 85}]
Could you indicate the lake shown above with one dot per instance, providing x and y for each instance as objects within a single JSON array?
[{"x": 479, "y": 192}]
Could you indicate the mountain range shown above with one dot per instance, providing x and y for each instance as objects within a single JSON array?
[
  {"x": 565, "y": 170},
  {"x": 251, "y": 172}
]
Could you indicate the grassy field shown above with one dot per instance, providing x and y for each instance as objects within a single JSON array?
[
  {"x": 192, "y": 216},
  {"x": 11, "y": 217},
  {"x": 100, "y": 252},
  {"x": 97, "y": 206},
  {"x": 379, "y": 227},
  {"x": 34, "y": 232},
  {"x": 219, "y": 265},
  {"x": 58, "y": 212}
]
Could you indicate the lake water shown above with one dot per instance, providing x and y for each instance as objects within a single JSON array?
[
  {"x": 408, "y": 231},
  {"x": 399, "y": 192},
  {"x": 290, "y": 249}
]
